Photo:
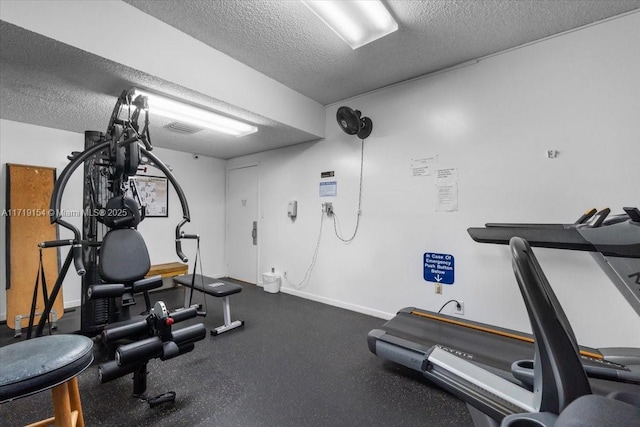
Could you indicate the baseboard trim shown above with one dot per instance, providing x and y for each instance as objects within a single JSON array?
[
  {"x": 67, "y": 304},
  {"x": 295, "y": 292},
  {"x": 337, "y": 303}
]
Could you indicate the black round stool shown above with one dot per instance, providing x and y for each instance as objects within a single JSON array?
[{"x": 42, "y": 363}]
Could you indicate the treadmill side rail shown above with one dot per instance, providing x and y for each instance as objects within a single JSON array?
[
  {"x": 400, "y": 355},
  {"x": 398, "y": 350},
  {"x": 476, "y": 385}
]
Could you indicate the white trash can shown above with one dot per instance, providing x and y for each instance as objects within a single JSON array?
[{"x": 271, "y": 282}]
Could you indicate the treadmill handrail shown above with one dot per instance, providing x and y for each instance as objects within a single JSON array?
[
  {"x": 559, "y": 377},
  {"x": 617, "y": 239}
]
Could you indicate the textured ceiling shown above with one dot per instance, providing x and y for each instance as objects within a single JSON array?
[
  {"x": 286, "y": 41},
  {"x": 46, "y": 82},
  {"x": 55, "y": 85}
]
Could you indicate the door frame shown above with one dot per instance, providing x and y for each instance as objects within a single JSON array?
[{"x": 258, "y": 216}]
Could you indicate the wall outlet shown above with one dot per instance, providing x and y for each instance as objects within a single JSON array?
[
  {"x": 460, "y": 310},
  {"x": 327, "y": 207},
  {"x": 285, "y": 274}
]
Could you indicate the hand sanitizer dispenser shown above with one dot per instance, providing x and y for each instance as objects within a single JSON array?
[{"x": 292, "y": 210}]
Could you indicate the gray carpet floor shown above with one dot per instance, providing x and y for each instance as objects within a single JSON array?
[{"x": 295, "y": 363}]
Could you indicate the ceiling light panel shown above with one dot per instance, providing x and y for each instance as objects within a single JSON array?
[
  {"x": 195, "y": 116},
  {"x": 357, "y": 22}
]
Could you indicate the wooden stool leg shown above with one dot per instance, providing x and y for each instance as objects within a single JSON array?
[
  {"x": 67, "y": 408},
  {"x": 74, "y": 396},
  {"x": 62, "y": 406}
]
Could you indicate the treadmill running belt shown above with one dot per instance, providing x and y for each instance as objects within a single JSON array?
[
  {"x": 488, "y": 349},
  {"x": 487, "y": 345}
]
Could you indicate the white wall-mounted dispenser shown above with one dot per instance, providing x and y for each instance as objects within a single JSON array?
[{"x": 292, "y": 209}]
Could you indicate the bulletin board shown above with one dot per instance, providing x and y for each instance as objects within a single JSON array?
[
  {"x": 153, "y": 193},
  {"x": 28, "y": 223}
]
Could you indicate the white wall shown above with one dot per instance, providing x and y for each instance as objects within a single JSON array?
[
  {"x": 40, "y": 146},
  {"x": 577, "y": 93},
  {"x": 203, "y": 181}
]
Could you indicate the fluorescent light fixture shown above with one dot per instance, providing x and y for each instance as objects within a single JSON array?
[
  {"x": 357, "y": 22},
  {"x": 195, "y": 116}
]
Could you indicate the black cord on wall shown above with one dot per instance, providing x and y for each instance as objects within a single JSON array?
[{"x": 450, "y": 301}]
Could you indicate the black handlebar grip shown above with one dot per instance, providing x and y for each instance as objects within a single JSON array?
[
  {"x": 179, "y": 252},
  {"x": 147, "y": 143},
  {"x": 77, "y": 260},
  {"x": 55, "y": 243},
  {"x": 586, "y": 216},
  {"x": 600, "y": 217},
  {"x": 189, "y": 236}
]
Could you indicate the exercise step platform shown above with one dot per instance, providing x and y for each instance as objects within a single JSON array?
[{"x": 215, "y": 287}]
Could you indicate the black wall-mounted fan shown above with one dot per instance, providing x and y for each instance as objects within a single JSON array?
[{"x": 352, "y": 123}]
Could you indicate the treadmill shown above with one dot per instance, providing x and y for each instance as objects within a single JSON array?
[
  {"x": 614, "y": 242},
  {"x": 490, "y": 368}
]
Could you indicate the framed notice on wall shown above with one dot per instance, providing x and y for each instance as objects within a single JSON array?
[{"x": 152, "y": 192}]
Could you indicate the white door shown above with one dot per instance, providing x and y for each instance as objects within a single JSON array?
[{"x": 242, "y": 220}]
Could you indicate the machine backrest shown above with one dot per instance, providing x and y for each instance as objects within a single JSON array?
[
  {"x": 559, "y": 375},
  {"x": 123, "y": 256}
]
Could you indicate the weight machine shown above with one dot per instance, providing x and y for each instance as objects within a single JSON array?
[{"x": 110, "y": 254}]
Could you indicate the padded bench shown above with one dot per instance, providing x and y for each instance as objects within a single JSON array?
[
  {"x": 215, "y": 287},
  {"x": 169, "y": 269}
]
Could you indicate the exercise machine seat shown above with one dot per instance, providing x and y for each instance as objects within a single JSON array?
[
  {"x": 123, "y": 256},
  {"x": 53, "y": 361}
]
